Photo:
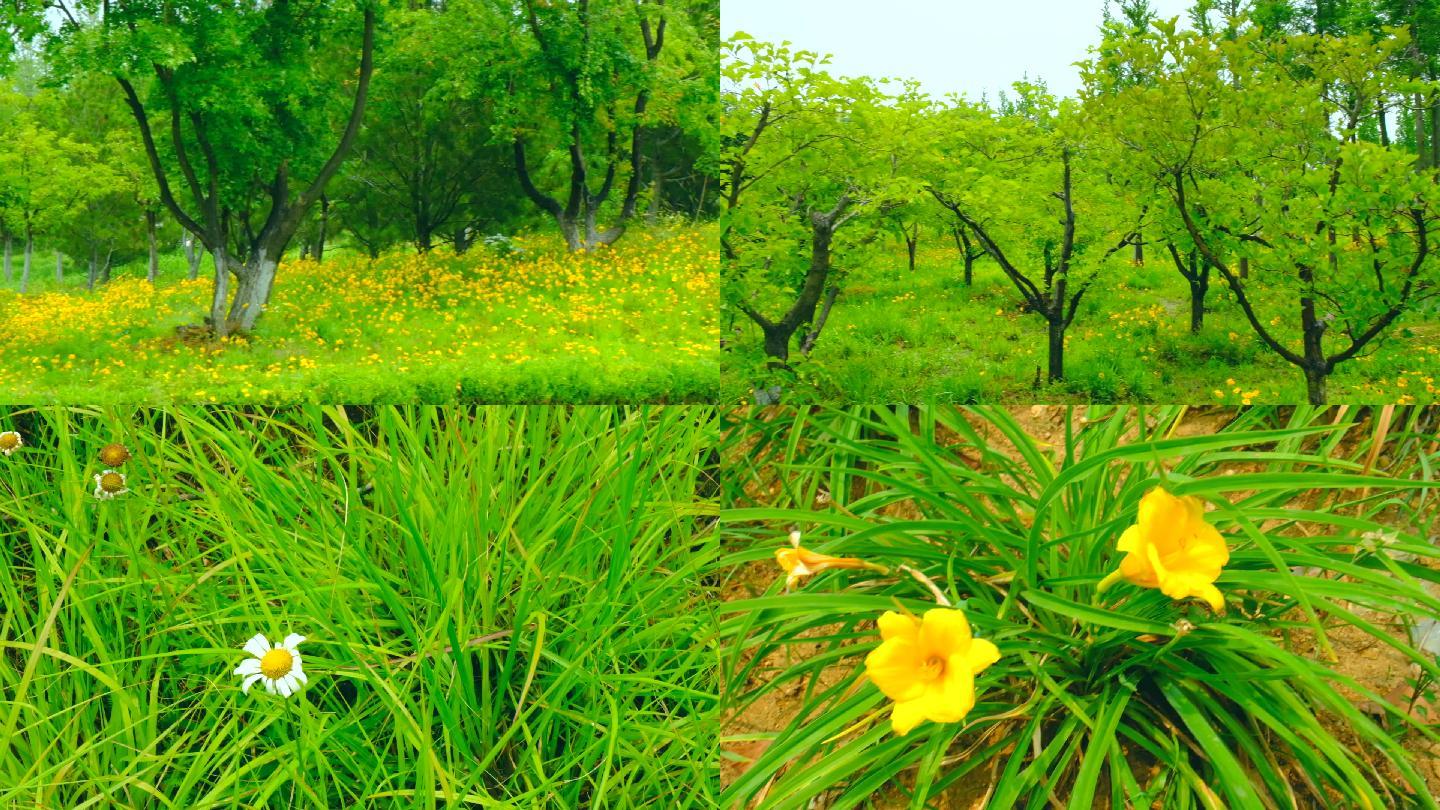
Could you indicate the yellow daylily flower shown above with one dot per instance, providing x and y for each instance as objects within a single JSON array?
[
  {"x": 1172, "y": 548},
  {"x": 928, "y": 666}
]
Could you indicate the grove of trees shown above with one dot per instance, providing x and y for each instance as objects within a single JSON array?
[
  {"x": 1287, "y": 150},
  {"x": 127, "y": 128}
]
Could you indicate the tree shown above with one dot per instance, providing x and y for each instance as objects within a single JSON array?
[
  {"x": 245, "y": 96},
  {"x": 804, "y": 156},
  {"x": 1002, "y": 173},
  {"x": 46, "y": 177},
  {"x": 1336, "y": 230},
  {"x": 584, "y": 83}
]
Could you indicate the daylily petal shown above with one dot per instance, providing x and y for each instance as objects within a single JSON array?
[
  {"x": 953, "y": 696},
  {"x": 1136, "y": 568},
  {"x": 257, "y": 645},
  {"x": 944, "y": 632},
  {"x": 249, "y": 666},
  {"x": 982, "y": 654},
  {"x": 898, "y": 625},
  {"x": 894, "y": 667},
  {"x": 1130, "y": 539},
  {"x": 907, "y": 715}
]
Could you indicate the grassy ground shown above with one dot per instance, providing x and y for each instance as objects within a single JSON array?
[
  {"x": 503, "y": 608},
  {"x": 898, "y": 337},
  {"x": 632, "y": 324}
]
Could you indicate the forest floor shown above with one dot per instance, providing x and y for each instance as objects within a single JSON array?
[
  {"x": 636, "y": 322},
  {"x": 894, "y": 336}
]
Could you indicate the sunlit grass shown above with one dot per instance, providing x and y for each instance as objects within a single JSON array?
[
  {"x": 504, "y": 608},
  {"x": 894, "y": 336}
]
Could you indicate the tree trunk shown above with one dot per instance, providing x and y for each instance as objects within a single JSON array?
[
  {"x": 1197, "y": 306},
  {"x": 193, "y": 255},
  {"x": 105, "y": 268},
  {"x": 1244, "y": 268},
  {"x": 252, "y": 292},
  {"x": 1057, "y": 348},
  {"x": 94, "y": 271},
  {"x": 1139, "y": 252},
  {"x": 910, "y": 244},
  {"x": 9, "y": 270},
  {"x": 222, "y": 289},
  {"x": 25, "y": 268},
  {"x": 1315, "y": 385},
  {"x": 1384, "y": 125},
  {"x": 59, "y": 268},
  {"x": 777, "y": 344},
  {"x": 152, "y": 270},
  {"x": 324, "y": 226},
  {"x": 462, "y": 239}
]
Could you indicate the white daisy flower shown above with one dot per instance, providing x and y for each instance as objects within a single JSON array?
[
  {"x": 110, "y": 483},
  {"x": 278, "y": 666},
  {"x": 10, "y": 442}
]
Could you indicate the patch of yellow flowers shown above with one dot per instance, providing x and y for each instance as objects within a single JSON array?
[
  {"x": 927, "y": 665},
  {"x": 647, "y": 302}
]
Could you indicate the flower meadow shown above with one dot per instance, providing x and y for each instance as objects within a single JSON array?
[
  {"x": 1066, "y": 607},
  {"x": 635, "y": 322},
  {"x": 499, "y": 607}
]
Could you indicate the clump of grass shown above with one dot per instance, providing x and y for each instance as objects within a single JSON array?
[
  {"x": 504, "y": 608},
  {"x": 1122, "y": 697}
]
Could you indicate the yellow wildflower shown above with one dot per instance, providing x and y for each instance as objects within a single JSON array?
[{"x": 928, "y": 666}]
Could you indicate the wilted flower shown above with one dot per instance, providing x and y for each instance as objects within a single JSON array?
[
  {"x": 114, "y": 454},
  {"x": 801, "y": 562}
]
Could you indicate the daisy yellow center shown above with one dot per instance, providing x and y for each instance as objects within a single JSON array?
[
  {"x": 114, "y": 454},
  {"x": 933, "y": 668},
  {"x": 112, "y": 482},
  {"x": 9, "y": 441},
  {"x": 277, "y": 663}
]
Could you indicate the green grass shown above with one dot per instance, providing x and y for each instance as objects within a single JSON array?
[
  {"x": 898, "y": 337},
  {"x": 504, "y": 606},
  {"x": 1120, "y": 699},
  {"x": 631, "y": 323}
]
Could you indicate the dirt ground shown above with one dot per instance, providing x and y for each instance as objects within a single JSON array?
[{"x": 1369, "y": 662}]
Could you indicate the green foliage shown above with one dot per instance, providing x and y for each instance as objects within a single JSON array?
[
  {"x": 1122, "y": 698},
  {"x": 544, "y": 651}
]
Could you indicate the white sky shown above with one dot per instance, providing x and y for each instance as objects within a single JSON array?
[{"x": 969, "y": 46}]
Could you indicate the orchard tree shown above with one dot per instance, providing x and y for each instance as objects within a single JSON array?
[
  {"x": 1018, "y": 178},
  {"x": 426, "y": 157},
  {"x": 581, "y": 86},
  {"x": 804, "y": 156},
  {"x": 1337, "y": 231},
  {"x": 45, "y": 178},
  {"x": 237, "y": 106}
]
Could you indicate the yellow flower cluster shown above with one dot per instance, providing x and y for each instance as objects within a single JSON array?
[
  {"x": 927, "y": 665},
  {"x": 647, "y": 301}
]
